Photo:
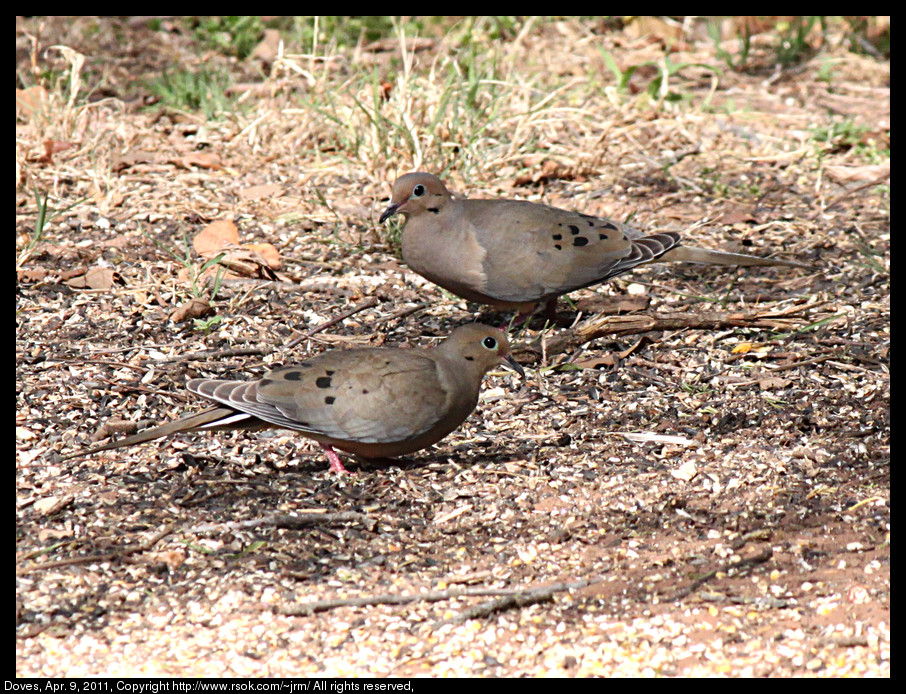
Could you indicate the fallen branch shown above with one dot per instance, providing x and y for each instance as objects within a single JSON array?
[
  {"x": 747, "y": 563},
  {"x": 603, "y": 325},
  {"x": 286, "y": 521},
  {"x": 214, "y": 354},
  {"x": 521, "y": 598},
  {"x": 105, "y": 557},
  {"x": 507, "y": 597},
  {"x": 368, "y": 303}
]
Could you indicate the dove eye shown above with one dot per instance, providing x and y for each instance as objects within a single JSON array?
[
  {"x": 489, "y": 342},
  {"x": 418, "y": 191}
]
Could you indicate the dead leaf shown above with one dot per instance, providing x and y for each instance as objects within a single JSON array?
[
  {"x": 203, "y": 160},
  {"x": 268, "y": 253},
  {"x": 610, "y": 359},
  {"x": 668, "y": 32},
  {"x": 266, "y": 190},
  {"x": 94, "y": 278},
  {"x": 114, "y": 426},
  {"x": 30, "y": 101},
  {"x": 858, "y": 174},
  {"x": 754, "y": 348},
  {"x": 119, "y": 242},
  {"x": 127, "y": 161},
  {"x": 595, "y": 362},
  {"x": 196, "y": 307},
  {"x": 51, "y": 504},
  {"x": 24, "y": 434},
  {"x": 31, "y": 275},
  {"x": 550, "y": 170},
  {"x": 215, "y": 237},
  {"x": 685, "y": 472},
  {"x": 248, "y": 263},
  {"x": 773, "y": 383},
  {"x": 651, "y": 437},
  {"x": 49, "y": 535},
  {"x": 738, "y": 215},
  {"x": 413, "y": 44},
  {"x": 268, "y": 48},
  {"x": 52, "y": 147}
]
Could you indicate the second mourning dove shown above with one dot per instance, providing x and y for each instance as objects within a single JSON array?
[
  {"x": 515, "y": 254},
  {"x": 372, "y": 402}
]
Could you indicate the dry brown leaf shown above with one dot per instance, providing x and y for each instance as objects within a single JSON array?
[
  {"x": 248, "y": 263},
  {"x": 215, "y": 237},
  {"x": 753, "y": 348},
  {"x": 685, "y": 472},
  {"x": 127, "y": 161},
  {"x": 203, "y": 160},
  {"x": 773, "y": 383},
  {"x": 392, "y": 44},
  {"x": 51, "y": 504},
  {"x": 268, "y": 253},
  {"x": 30, "y": 101},
  {"x": 52, "y": 147},
  {"x": 265, "y": 190},
  {"x": 268, "y": 48},
  {"x": 858, "y": 174},
  {"x": 94, "y": 278},
  {"x": 737, "y": 215},
  {"x": 195, "y": 307},
  {"x": 31, "y": 275},
  {"x": 596, "y": 362},
  {"x": 667, "y": 31},
  {"x": 114, "y": 426},
  {"x": 610, "y": 359}
]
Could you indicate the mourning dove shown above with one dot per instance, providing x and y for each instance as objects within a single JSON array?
[
  {"x": 515, "y": 254},
  {"x": 374, "y": 403}
]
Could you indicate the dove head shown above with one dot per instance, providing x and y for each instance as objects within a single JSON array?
[
  {"x": 415, "y": 193},
  {"x": 479, "y": 348}
]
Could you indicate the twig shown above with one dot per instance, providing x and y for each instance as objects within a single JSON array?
[
  {"x": 283, "y": 520},
  {"x": 599, "y": 326},
  {"x": 848, "y": 193},
  {"x": 507, "y": 597},
  {"x": 216, "y": 354},
  {"x": 107, "y": 556},
  {"x": 515, "y": 599},
  {"x": 759, "y": 558},
  {"x": 368, "y": 303}
]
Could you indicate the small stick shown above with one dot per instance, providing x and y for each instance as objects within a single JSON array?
[{"x": 368, "y": 303}]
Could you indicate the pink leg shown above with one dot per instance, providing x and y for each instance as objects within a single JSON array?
[{"x": 336, "y": 465}]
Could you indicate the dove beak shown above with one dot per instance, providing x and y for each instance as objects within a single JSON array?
[
  {"x": 515, "y": 365},
  {"x": 389, "y": 212}
]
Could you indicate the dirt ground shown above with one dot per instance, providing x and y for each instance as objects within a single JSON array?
[{"x": 708, "y": 494}]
